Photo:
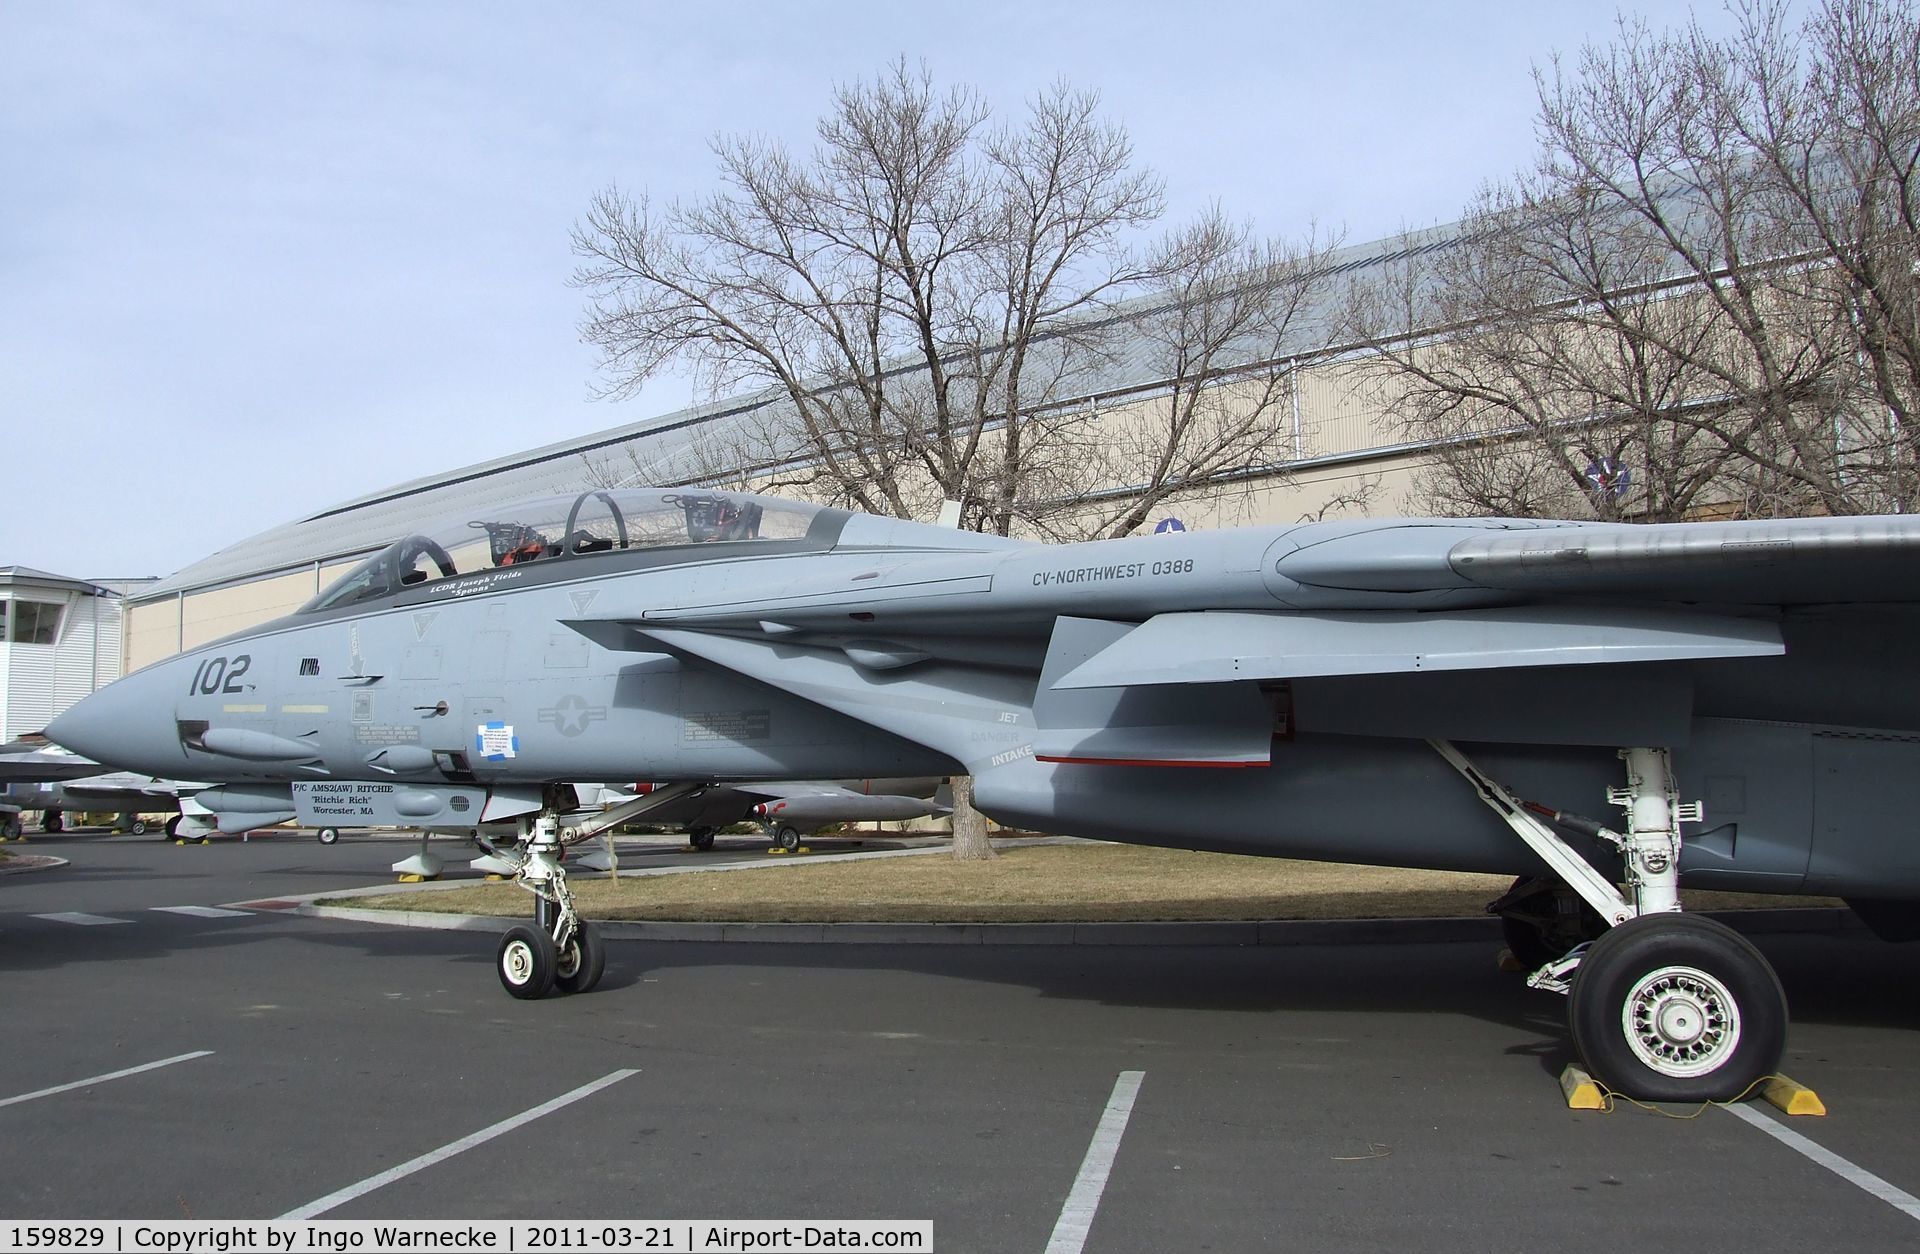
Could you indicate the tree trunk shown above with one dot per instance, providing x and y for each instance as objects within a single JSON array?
[{"x": 969, "y": 825}]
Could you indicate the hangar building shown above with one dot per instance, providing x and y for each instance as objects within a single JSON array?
[
  {"x": 60, "y": 639},
  {"x": 1343, "y": 453}
]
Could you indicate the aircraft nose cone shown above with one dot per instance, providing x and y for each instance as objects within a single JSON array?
[
  {"x": 126, "y": 725},
  {"x": 70, "y": 730}
]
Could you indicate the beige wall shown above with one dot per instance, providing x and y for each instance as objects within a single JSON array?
[{"x": 159, "y": 629}]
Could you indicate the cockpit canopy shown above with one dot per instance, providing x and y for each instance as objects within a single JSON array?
[{"x": 567, "y": 527}]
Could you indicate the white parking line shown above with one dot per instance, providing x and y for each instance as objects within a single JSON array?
[
  {"x": 101, "y": 1079},
  {"x": 341, "y": 1196},
  {"x": 1897, "y": 1198},
  {"x": 80, "y": 919},
  {"x": 1076, "y": 1217},
  {"x": 203, "y": 912}
]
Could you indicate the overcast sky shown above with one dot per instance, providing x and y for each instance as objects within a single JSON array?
[{"x": 257, "y": 259}]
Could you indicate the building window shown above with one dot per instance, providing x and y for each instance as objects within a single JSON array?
[{"x": 33, "y": 622}]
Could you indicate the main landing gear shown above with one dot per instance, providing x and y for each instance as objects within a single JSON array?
[{"x": 1663, "y": 1006}]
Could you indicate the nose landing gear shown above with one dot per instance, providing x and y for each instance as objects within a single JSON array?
[{"x": 560, "y": 949}]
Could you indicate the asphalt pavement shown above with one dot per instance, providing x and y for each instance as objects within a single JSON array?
[{"x": 1309, "y": 1096}]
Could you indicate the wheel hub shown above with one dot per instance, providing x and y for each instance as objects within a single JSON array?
[
  {"x": 1681, "y": 1021},
  {"x": 518, "y": 961}
]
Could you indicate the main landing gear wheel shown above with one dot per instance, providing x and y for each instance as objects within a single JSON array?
[
  {"x": 172, "y": 827},
  {"x": 52, "y": 821},
  {"x": 701, "y": 838},
  {"x": 788, "y": 837},
  {"x": 328, "y": 835},
  {"x": 526, "y": 962},
  {"x": 1677, "y": 1008},
  {"x": 582, "y": 960}
]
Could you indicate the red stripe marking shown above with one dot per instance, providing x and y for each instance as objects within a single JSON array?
[{"x": 1208, "y": 765}]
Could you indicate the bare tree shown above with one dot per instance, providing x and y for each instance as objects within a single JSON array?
[
  {"x": 909, "y": 292},
  {"x": 920, "y": 300},
  {"x": 1231, "y": 324},
  {"x": 1833, "y": 116},
  {"x": 1701, "y": 279}
]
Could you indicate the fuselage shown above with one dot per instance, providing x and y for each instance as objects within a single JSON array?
[{"x": 859, "y": 646}]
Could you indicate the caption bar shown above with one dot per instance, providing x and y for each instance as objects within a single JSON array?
[{"x": 370, "y": 1236}]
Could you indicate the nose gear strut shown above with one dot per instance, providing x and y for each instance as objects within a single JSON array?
[{"x": 561, "y": 949}]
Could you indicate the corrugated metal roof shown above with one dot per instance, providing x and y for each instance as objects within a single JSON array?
[
  {"x": 664, "y": 448},
  {"x": 30, "y": 577}
]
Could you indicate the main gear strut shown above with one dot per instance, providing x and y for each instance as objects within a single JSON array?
[{"x": 1663, "y": 1006}]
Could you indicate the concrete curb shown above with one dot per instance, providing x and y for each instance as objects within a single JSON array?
[
  {"x": 21, "y": 863},
  {"x": 1269, "y": 932}
]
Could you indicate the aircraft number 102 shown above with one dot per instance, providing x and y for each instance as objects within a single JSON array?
[{"x": 220, "y": 674}]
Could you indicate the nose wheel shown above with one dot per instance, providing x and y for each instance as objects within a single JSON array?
[
  {"x": 580, "y": 962},
  {"x": 559, "y": 949},
  {"x": 527, "y": 962}
]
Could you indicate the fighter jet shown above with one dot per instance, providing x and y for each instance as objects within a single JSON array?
[
  {"x": 128, "y": 795},
  {"x": 37, "y": 776},
  {"x": 788, "y": 808},
  {"x": 1617, "y": 709}
]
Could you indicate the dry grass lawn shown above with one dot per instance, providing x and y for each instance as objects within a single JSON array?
[{"x": 1053, "y": 883}]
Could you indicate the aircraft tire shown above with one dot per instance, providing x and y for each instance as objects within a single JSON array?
[
  {"x": 788, "y": 837},
  {"x": 139, "y": 827},
  {"x": 328, "y": 835},
  {"x": 52, "y": 821},
  {"x": 701, "y": 838},
  {"x": 1677, "y": 1008},
  {"x": 526, "y": 962},
  {"x": 10, "y": 827},
  {"x": 172, "y": 827},
  {"x": 582, "y": 962}
]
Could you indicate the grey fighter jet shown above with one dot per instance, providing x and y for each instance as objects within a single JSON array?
[
  {"x": 1613, "y": 710},
  {"x": 788, "y": 808},
  {"x": 37, "y": 776}
]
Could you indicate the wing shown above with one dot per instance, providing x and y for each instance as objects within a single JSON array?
[
  {"x": 1541, "y": 633},
  {"x": 1772, "y": 562},
  {"x": 31, "y": 761}
]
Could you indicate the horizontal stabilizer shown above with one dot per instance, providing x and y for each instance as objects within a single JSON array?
[{"x": 1219, "y": 648}]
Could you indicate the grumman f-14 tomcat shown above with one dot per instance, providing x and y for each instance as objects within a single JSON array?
[
  {"x": 1625, "y": 709},
  {"x": 36, "y": 776}
]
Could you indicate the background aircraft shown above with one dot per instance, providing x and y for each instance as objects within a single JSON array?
[
  {"x": 1739, "y": 703},
  {"x": 35, "y": 775},
  {"x": 788, "y": 809}
]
